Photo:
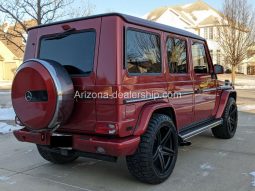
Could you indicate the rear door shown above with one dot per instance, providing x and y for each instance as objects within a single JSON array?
[
  {"x": 144, "y": 74},
  {"x": 77, "y": 51},
  {"x": 205, "y": 83}
]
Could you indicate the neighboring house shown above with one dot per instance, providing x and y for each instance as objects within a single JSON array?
[
  {"x": 248, "y": 66},
  {"x": 199, "y": 18},
  {"x": 11, "y": 55},
  {"x": 10, "y": 59}
]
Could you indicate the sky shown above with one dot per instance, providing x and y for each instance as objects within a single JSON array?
[{"x": 141, "y": 7}]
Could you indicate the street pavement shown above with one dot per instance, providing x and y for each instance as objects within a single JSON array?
[
  {"x": 210, "y": 164},
  {"x": 5, "y": 98},
  {"x": 246, "y": 97}
]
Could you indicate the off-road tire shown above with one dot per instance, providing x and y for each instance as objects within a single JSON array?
[
  {"x": 54, "y": 157},
  {"x": 143, "y": 164},
  {"x": 230, "y": 118}
]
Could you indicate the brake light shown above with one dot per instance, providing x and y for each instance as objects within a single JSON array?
[
  {"x": 106, "y": 129},
  {"x": 66, "y": 27}
]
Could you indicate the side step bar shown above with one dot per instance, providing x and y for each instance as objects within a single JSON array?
[{"x": 191, "y": 132}]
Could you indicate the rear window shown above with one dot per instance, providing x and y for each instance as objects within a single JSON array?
[{"x": 75, "y": 51}]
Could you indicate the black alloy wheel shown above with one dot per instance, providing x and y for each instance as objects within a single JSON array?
[
  {"x": 230, "y": 119},
  {"x": 164, "y": 149},
  {"x": 156, "y": 155}
]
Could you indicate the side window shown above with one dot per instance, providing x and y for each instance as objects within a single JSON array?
[
  {"x": 143, "y": 54},
  {"x": 177, "y": 55},
  {"x": 200, "y": 63}
]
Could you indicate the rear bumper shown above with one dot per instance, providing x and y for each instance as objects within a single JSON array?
[{"x": 85, "y": 143}]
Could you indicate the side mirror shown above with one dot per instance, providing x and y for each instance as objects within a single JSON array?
[{"x": 218, "y": 69}]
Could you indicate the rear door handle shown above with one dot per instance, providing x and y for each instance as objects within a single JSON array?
[{"x": 198, "y": 91}]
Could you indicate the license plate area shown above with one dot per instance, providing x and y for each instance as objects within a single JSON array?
[{"x": 59, "y": 140}]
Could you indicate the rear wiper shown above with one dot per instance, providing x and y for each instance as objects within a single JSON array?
[{"x": 61, "y": 35}]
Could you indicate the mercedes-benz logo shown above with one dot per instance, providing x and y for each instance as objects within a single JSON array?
[{"x": 29, "y": 96}]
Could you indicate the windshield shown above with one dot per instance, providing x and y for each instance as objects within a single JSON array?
[{"x": 74, "y": 51}]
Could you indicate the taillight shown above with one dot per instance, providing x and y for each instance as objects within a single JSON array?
[{"x": 106, "y": 128}]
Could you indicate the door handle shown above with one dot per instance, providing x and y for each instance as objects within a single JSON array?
[{"x": 198, "y": 91}]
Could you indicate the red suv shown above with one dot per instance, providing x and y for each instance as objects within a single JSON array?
[{"x": 115, "y": 85}]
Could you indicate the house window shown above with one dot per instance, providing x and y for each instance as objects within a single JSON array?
[
  {"x": 177, "y": 55},
  {"x": 218, "y": 57},
  {"x": 251, "y": 70},
  {"x": 211, "y": 33},
  {"x": 143, "y": 54},
  {"x": 205, "y": 33},
  {"x": 240, "y": 69}
]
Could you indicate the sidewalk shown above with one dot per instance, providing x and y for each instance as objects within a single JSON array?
[
  {"x": 242, "y": 81},
  {"x": 5, "y": 85},
  {"x": 7, "y": 124}
]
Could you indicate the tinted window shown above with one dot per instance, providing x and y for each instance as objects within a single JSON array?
[
  {"x": 177, "y": 55},
  {"x": 74, "y": 51},
  {"x": 199, "y": 58},
  {"x": 143, "y": 52}
]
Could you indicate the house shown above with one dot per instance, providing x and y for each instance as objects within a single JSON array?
[
  {"x": 10, "y": 58},
  {"x": 197, "y": 17},
  {"x": 248, "y": 66},
  {"x": 11, "y": 51},
  {"x": 12, "y": 46}
]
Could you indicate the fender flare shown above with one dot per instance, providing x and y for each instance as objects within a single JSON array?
[
  {"x": 224, "y": 100},
  {"x": 146, "y": 114}
]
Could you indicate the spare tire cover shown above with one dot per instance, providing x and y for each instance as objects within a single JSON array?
[{"x": 42, "y": 94}]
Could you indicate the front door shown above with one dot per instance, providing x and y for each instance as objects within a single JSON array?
[{"x": 204, "y": 82}]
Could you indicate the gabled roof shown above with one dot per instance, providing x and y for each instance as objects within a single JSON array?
[
  {"x": 198, "y": 5},
  {"x": 188, "y": 12},
  {"x": 182, "y": 14},
  {"x": 156, "y": 13},
  {"x": 250, "y": 60},
  {"x": 208, "y": 21}
]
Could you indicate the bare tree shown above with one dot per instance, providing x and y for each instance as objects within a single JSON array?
[
  {"x": 84, "y": 8},
  {"x": 22, "y": 14},
  {"x": 236, "y": 32}
]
